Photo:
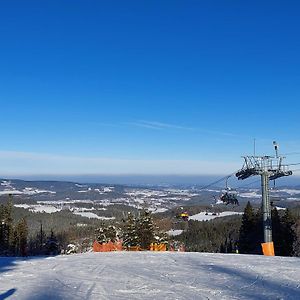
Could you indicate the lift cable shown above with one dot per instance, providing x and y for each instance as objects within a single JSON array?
[{"x": 215, "y": 182}]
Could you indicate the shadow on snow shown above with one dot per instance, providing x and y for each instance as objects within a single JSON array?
[{"x": 8, "y": 263}]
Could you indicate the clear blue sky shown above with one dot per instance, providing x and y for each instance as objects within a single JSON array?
[{"x": 172, "y": 87}]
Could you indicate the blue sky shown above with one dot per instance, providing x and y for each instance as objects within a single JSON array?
[{"x": 146, "y": 87}]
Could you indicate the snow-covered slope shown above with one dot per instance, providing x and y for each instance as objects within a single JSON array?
[
  {"x": 203, "y": 216},
  {"x": 148, "y": 275}
]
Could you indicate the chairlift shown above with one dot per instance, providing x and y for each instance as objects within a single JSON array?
[
  {"x": 183, "y": 215},
  {"x": 272, "y": 197},
  {"x": 229, "y": 196}
]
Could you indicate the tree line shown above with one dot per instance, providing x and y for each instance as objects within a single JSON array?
[{"x": 244, "y": 234}]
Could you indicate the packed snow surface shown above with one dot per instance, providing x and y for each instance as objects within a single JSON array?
[{"x": 149, "y": 275}]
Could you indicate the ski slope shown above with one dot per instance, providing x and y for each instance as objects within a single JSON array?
[
  {"x": 203, "y": 217},
  {"x": 149, "y": 275}
]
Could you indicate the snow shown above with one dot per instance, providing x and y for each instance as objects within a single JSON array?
[
  {"x": 280, "y": 208},
  {"x": 293, "y": 199},
  {"x": 25, "y": 206},
  {"x": 219, "y": 201},
  {"x": 150, "y": 275},
  {"x": 156, "y": 210},
  {"x": 203, "y": 217},
  {"x": 250, "y": 195},
  {"x": 80, "y": 185},
  {"x": 174, "y": 232},
  {"x": 290, "y": 191},
  {"x": 25, "y": 191},
  {"x": 91, "y": 215},
  {"x": 49, "y": 209}
]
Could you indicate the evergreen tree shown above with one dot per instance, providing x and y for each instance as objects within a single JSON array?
[
  {"x": 296, "y": 244},
  {"x": 52, "y": 246},
  {"x": 130, "y": 235},
  {"x": 105, "y": 234},
  {"x": 100, "y": 235},
  {"x": 250, "y": 231},
  {"x": 276, "y": 231},
  {"x": 19, "y": 241},
  {"x": 161, "y": 237},
  {"x": 6, "y": 227},
  {"x": 146, "y": 229},
  {"x": 288, "y": 233}
]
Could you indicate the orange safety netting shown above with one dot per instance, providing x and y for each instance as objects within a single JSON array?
[
  {"x": 107, "y": 247},
  {"x": 134, "y": 248},
  {"x": 158, "y": 247}
]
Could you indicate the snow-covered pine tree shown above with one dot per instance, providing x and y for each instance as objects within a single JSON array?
[
  {"x": 100, "y": 235},
  {"x": 146, "y": 230},
  {"x": 161, "y": 237},
  {"x": 105, "y": 234},
  {"x": 130, "y": 235}
]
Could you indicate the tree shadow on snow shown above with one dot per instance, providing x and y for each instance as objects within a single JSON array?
[
  {"x": 7, "y": 294},
  {"x": 8, "y": 263},
  {"x": 250, "y": 286}
]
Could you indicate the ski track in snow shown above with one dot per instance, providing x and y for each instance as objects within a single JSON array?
[{"x": 148, "y": 275}]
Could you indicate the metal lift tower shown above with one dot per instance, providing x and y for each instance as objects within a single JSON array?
[{"x": 269, "y": 168}]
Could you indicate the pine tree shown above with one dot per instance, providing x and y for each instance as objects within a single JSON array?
[
  {"x": 105, "y": 234},
  {"x": 130, "y": 235},
  {"x": 100, "y": 235},
  {"x": 276, "y": 231},
  {"x": 52, "y": 246},
  {"x": 19, "y": 241},
  {"x": 288, "y": 233},
  {"x": 296, "y": 244},
  {"x": 249, "y": 239},
  {"x": 146, "y": 229},
  {"x": 6, "y": 227}
]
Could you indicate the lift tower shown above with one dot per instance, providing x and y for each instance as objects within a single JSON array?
[{"x": 269, "y": 168}]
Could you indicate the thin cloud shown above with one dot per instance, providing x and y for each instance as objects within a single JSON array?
[
  {"x": 158, "y": 125},
  {"x": 165, "y": 126}
]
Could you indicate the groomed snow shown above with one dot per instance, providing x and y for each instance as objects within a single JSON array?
[
  {"x": 148, "y": 275},
  {"x": 203, "y": 217}
]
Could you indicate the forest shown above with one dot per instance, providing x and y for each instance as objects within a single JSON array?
[
  {"x": 235, "y": 234},
  {"x": 26, "y": 233}
]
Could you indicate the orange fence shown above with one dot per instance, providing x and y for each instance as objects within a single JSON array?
[
  {"x": 134, "y": 248},
  {"x": 107, "y": 247},
  {"x": 158, "y": 247},
  {"x": 118, "y": 246}
]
